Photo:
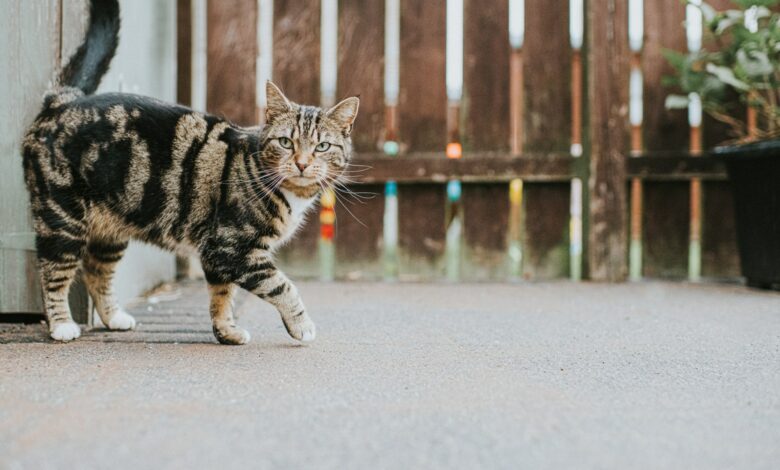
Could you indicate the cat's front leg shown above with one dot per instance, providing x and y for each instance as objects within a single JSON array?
[
  {"x": 266, "y": 281},
  {"x": 221, "y": 310}
]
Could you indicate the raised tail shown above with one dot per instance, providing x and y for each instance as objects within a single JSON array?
[{"x": 87, "y": 66}]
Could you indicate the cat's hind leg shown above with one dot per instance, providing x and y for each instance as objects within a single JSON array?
[
  {"x": 58, "y": 255},
  {"x": 100, "y": 262},
  {"x": 221, "y": 310}
]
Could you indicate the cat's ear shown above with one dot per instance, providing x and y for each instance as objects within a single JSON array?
[
  {"x": 277, "y": 103},
  {"x": 345, "y": 113}
]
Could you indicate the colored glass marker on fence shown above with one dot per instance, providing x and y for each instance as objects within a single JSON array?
[
  {"x": 515, "y": 252},
  {"x": 454, "y": 230},
  {"x": 390, "y": 231},
  {"x": 327, "y": 234}
]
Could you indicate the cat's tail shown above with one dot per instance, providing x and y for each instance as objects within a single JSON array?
[{"x": 90, "y": 62}]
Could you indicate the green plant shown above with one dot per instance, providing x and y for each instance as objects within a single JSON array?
[{"x": 738, "y": 67}]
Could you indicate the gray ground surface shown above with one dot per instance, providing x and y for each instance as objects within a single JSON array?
[{"x": 411, "y": 376}]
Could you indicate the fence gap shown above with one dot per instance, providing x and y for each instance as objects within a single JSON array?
[
  {"x": 694, "y": 28},
  {"x": 390, "y": 144},
  {"x": 636, "y": 114},
  {"x": 265, "y": 51},
  {"x": 454, "y": 150},
  {"x": 576, "y": 37}
]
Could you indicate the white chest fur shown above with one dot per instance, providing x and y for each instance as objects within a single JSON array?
[{"x": 299, "y": 206}]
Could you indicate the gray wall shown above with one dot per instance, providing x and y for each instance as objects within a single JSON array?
[{"x": 30, "y": 57}]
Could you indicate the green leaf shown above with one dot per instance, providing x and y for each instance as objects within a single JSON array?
[
  {"x": 676, "y": 102},
  {"x": 726, "y": 75}
]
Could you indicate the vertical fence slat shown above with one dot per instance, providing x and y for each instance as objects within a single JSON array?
[
  {"x": 546, "y": 74},
  {"x": 485, "y": 115},
  {"x": 546, "y": 71},
  {"x": 296, "y": 64},
  {"x": 296, "y": 69},
  {"x": 421, "y": 231},
  {"x": 423, "y": 99},
  {"x": 720, "y": 257},
  {"x": 545, "y": 241},
  {"x": 608, "y": 97},
  {"x": 361, "y": 52},
  {"x": 665, "y": 221},
  {"x": 485, "y": 126},
  {"x": 183, "y": 51},
  {"x": 663, "y": 129},
  {"x": 232, "y": 49},
  {"x": 422, "y": 114}
]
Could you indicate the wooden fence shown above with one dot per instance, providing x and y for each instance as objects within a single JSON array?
[{"x": 545, "y": 110}]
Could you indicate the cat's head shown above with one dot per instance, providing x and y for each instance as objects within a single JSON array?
[{"x": 306, "y": 147}]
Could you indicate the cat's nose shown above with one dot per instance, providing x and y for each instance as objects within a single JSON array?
[{"x": 301, "y": 165}]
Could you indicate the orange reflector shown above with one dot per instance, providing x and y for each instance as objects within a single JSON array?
[
  {"x": 454, "y": 150},
  {"x": 326, "y": 232},
  {"x": 327, "y": 215}
]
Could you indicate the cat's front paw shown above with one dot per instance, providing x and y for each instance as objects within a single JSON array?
[
  {"x": 121, "y": 320},
  {"x": 301, "y": 328},
  {"x": 64, "y": 331},
  {"x": 233, "y": 335}
]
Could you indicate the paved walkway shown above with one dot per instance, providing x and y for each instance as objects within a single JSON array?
[{"x": 411, "y": 376}]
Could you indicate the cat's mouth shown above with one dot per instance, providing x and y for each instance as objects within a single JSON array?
[{"x": 302, "y": 181}]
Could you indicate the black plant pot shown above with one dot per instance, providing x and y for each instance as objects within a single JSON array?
[{"x": 754, "y": 171}]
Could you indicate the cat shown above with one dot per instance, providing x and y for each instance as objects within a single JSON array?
[{"x": 104, "y": 169}]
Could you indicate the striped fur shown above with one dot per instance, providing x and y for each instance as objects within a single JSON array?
[{"x": 104, "y": 169}]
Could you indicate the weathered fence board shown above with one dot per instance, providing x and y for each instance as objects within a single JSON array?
[
  {"x": 231, "y": 77},
  {"x": 608, "y": 103},
  {"x": 666, "y": 226},
  {"x": 423, "y": 126},
  {"x": 547, "y": 72},
  {"x": 663, "y": 129},
  {"x": 485, "y": 127},
  {"x": 296, "y": 63},
  {"x": 360, "y": 59},
  {"x": 296, "y": 69},
  {"x": 360, "y": 72}
]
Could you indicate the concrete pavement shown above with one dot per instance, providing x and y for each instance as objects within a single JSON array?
[{"x": 554, "y": 375}]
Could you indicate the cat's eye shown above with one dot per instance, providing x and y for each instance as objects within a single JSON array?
[
  {"x": 322, "y": 146},
  {"x": 285, "y": 142}
]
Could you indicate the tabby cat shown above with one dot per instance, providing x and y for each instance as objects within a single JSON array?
[{"x": 102, "y": 169}]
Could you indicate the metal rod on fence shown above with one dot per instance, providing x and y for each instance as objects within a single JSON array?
[
  {"x": 576, "y": 36},
  {"x": 454, "y": 84},
  {"x": 516, "y": 39},
  {"x": 264, "y": 63},
  {"x": 328, "y": 76},
  {"x": 694, "y": 28},
  {"x": 636, "y": 111},
  {"x": 199, "y": 51},
  {"x": 391, "y": 145}
]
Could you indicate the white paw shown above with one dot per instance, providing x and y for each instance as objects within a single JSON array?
[
  {"x": 303, "y": 330},
  {"x": 67, "y": 331},
  {"x": 121, "y": 320},
  {"x": 231, "y": 335}
]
